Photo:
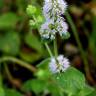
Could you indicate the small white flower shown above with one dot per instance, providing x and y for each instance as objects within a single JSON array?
[
  {"x": 59, "y": 65},
  {"x": 46, "y": 31}
]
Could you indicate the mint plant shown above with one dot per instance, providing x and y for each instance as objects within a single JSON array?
[
  {"x": 68, "y": 79},
  {"x": 52, "y": 73}
]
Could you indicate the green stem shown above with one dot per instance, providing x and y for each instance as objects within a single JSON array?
[
  {"x": 46, "y": 45},
  {"x": 74, "y": 30},
  {"x": 8, "y": 73},
  {"x": 19, "y": 62},
  {"x": 48, "y": 49},
  {"x": 55, "y": 48},
  {"x": 83, "y": 55}
]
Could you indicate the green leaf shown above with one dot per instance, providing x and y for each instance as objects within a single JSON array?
[
  {"x": 12, "y": 92},
  {"x": 43, "y": 74},
  {"x": 33, "y": 42},
  {"x": 93, "y": 93},
  {"x": 10, "y": 43},
  {"x": 54, "y": 89},
  {"x": 72, "y": 81},
  {"x": 8, "y": 20},
  {"x": 86, "y": 91},
  {"x": 2, "y": 92},
  {"x": 35, "y": 85}
]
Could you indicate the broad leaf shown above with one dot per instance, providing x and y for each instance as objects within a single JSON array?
[{"x": 72, "y": 81}]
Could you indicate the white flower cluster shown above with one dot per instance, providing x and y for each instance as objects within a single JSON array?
[
  {"x": 59, "y": 65},
  {"x": 52, "y": 10}
]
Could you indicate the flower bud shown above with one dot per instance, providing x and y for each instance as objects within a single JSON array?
[
  {"x": 31, "y": 10},
  {"x": 32, "y": 23}
]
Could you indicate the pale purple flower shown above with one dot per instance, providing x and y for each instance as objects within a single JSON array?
[
  {"x": 46, "y": 32},
  {"x": 59, "y": 65},
  {"x": 59, "y": 26},
  {"x": 54, "y": 23},
  {"x": 52, "y": 8},
  {"x": 62, "y": 26}
]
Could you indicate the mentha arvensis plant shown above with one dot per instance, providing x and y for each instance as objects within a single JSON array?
[{"x": 55, "y": 23}]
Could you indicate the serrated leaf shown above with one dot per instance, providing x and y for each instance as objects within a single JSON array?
[
  {"x": 33, "y": 42},
  {"x": 10, "y": 43},
  {"x": 35, "y": 85},
  {"x": 8, "y": 20},
  {"x": 12, "y": 92},
  {"x": 72, "y": 81}
]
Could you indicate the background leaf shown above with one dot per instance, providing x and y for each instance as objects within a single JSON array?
[
  {"x": 12, "y": 92},
  {"x": 8, "y": 20},
  {"x": 33, "y": 42},
  {"x": 10, "y": 43}
]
